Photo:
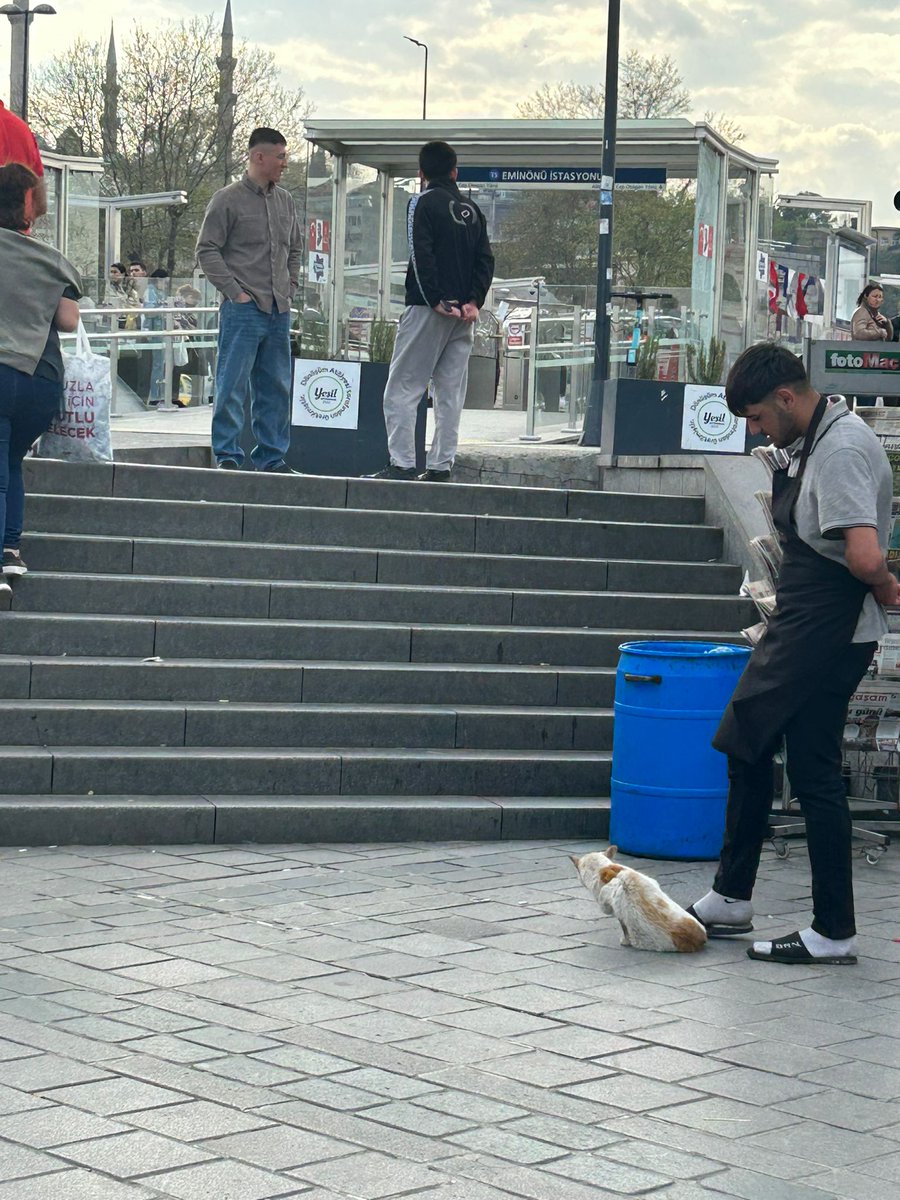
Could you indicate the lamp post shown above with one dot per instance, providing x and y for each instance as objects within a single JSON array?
[
  {"x": 603, "y": 318},
  {"x": 24, "y": 13},
  {"x": 415, "y": 42}
]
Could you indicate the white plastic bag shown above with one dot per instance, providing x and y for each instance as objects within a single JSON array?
[
  {"x": 179, "y": 352},
  {"x": 81, "y": 432}
]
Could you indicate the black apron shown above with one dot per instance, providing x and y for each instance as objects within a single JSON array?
[{"x": 818, "y": 607}]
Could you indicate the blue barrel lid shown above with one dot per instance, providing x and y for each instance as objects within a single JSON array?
[{"x": 684, "y": 649}]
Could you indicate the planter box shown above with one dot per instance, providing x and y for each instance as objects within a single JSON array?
[{"x": 354, "y": 452}]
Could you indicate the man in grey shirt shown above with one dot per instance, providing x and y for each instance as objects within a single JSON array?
[
  {"x": 250, "y": 248},
  {"x": 831, "y": 506}
]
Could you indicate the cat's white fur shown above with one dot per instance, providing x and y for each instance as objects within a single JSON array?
[{"x": 649, "y": 919}]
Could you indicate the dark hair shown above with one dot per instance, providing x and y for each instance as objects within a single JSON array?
[
  {"x": 867, "y": 292},
  {"x": 16, "y": 181},
  {"x": 120, "y": 267},
  {"x": 267, "y": 137},
  {"x": 436, "y": 160},
  {"x": 160, "y": 273},
  {"x": 137, "y": 262},
  {"x": 758, "y": 372}
]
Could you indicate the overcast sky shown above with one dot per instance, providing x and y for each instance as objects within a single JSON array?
[{"x": 816, "y": 85}]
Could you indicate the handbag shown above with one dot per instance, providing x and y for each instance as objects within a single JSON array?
[{"x": 81, "y": 431}]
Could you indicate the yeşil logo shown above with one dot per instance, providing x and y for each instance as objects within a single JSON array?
[
  {"x": 711, "y": 419},
  {"x": 325, "y": 393}
]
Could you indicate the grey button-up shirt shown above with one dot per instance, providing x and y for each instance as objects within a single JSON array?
[{"x": 251, "y": 241}]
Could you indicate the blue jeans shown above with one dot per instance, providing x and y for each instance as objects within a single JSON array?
[
  {"x": 254, "y": 359},
  {"x": 27, "y": 406}
]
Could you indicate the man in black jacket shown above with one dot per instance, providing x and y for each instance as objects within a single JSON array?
[{"x": 450, "y": 270}]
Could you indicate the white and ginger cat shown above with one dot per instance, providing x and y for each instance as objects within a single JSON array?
[{"x": 649, "y": 919}]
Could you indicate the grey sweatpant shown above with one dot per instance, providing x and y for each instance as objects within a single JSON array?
[{"x": 435, "y": 348}]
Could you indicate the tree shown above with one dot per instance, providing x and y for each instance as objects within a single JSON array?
[
  {"x": 649, "y": 88},
  {"x": 168, "y": 134}
]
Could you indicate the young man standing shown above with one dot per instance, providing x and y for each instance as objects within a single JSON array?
[
  {"x": 450, "y": 270},
  {"x": 250, "y": 248},
  {"x": 832, "y": 508}
]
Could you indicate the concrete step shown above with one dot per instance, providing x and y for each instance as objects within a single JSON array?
[
  {"x": 156, "y": 596},
  {"x": 132, "y": 481},
  {"x": 78, "y": 553},
  {"x": 46, "y": 634},
  {"x": 148, "y": 723},
  {"x": 265, "y": 681},
  {"x": 373, "y": 529},
  {"x": 288, "y": 771},
  {"x": 41, "y": 820}
]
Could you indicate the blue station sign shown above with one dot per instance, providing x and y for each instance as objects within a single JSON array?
[{"x": 590, "y": 176}]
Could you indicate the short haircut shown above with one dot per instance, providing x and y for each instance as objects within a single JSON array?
[
  {"x": 120, "y": 267},
  {"x": 264, "y": 136},
  {"x": 436, "y": 160},
  {"x": 137, "y": 262},
  {"x": 159, "y": 273},
  {"x": 16, "y": 182},
  {"x": 758, "y": 372}
]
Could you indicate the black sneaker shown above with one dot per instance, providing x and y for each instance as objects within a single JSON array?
[
  {"x": 280, "y": 469},
  {"x": 392, "y": 472},
  {"x": 13, "y": 563},
  {"x": 431, "y": 476},
  {"x": 228, "y": 464}
]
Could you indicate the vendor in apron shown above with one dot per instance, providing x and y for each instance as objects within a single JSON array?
[{"x": 832, "y": 509}]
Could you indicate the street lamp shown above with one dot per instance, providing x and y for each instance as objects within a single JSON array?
[
  {"x": 415, "y": 42},
  {"x": 22, "y": 12}
]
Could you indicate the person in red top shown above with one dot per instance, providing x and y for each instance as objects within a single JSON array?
[{"x": 19, "y": 145}]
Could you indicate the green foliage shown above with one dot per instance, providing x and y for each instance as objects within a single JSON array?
[
  {"x": 309, "y": 339},
  {"x": 706, "y": 364},
  {"x": 381, "y": 341},
  {"x": 168, "y": 134},
  {"x": 646, "y": 365}
]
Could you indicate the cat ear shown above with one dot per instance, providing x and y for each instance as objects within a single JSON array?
[
  {"x": 612, "y": 852},
  {"x": 576, "y": 860},
  {"x": 610, "y": 872}
]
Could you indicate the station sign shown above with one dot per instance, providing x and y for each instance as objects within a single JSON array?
[{"x": 650, "y": 178}]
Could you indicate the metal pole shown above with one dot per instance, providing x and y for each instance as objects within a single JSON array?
[
  {"x": 425, "y": 87},
  {"x": 603, "y": 321},
  {"x": 529, "y": 434},
  {"x": 25, "y": 66}
]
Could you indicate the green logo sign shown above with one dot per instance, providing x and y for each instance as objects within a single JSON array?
[{"x": 886, "y": 362}]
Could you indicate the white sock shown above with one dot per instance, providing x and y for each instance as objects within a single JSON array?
[
  {"x": 714, "y": 909},
  {"x": 816, "y": 944}
]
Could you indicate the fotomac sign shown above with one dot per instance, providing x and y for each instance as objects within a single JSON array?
[
  {"x": 886, "y": 361},
  {"x": 708, "y": 425}
]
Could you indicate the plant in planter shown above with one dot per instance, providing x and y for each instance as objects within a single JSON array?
[
  {"x": 646, "y": 365},
  {"x": 309, "y": 339},
  {"x": 381, "y": 341},
  {"x": 706, "y": 364}
]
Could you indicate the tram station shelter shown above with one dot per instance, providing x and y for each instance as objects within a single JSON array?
[{"x": 724, "y": 291}]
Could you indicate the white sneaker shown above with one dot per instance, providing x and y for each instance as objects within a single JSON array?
[
  {"x": 5, "y": 594},
  {"x": 13, "y": 563}
]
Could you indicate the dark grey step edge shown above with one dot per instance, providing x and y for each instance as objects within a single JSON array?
[{"x": 230, "y": 820}]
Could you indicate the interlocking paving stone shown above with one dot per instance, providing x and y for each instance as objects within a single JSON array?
[
  {"x": 17, "y": 1162},
  {"x": 131, "y": 1154},
  {"x": 387, "y": 1007},
  {"x": 222, "y": 1180},
  {"x": 370, "y": 1176}
]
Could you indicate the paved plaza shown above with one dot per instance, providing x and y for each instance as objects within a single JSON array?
[{"x": 451, "y": 1022}]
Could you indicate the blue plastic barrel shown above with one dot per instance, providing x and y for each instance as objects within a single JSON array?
[{"x": 669, "y": 786}]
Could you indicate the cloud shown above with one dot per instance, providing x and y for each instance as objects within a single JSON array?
[{"x": 799, "y": 78}]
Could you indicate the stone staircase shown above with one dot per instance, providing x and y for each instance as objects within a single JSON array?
[{"x": 201, "y": 656}]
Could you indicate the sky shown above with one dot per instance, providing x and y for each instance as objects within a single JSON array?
[{"x": 815, "y": 85}]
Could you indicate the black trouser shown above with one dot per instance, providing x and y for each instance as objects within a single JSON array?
[{"x": 813, "y": 737}]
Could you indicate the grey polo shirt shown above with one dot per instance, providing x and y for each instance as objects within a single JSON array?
[
  {"x": 847, "y": 482},
  {"x": 251, "y": 241}
]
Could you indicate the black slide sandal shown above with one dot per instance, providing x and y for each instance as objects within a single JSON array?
[
  {"x": 716, "y": 930},
  {"x": 792, "y": 951}
]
